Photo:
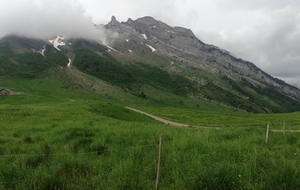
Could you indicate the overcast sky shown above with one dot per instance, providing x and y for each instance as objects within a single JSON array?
[{"x": 265, "y": 32}]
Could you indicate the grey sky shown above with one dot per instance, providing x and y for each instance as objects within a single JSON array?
[{"x": 265, "y": 32}]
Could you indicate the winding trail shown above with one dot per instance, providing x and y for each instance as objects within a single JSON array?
[{"x": 168, "y": 122}]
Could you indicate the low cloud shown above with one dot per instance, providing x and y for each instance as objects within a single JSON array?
[{"x": 35, "y": 18}]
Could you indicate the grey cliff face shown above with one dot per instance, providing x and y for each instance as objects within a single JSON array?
[{"x": 180, "y": 45}]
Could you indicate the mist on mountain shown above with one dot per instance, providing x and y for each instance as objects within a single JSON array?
[{"x": 46, "y": 19}]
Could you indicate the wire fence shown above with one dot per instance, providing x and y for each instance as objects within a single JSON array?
[
  {"x": 155, "y": 146},
  {"x": 78, "y": 153},
  {"x": 138, "y": 146}
]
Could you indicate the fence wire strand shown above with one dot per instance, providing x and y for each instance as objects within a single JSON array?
[
  {"x": 104, "y": 151},
  {"x": 79, "y": 153}
]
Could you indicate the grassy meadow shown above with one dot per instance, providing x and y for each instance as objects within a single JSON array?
[{"x": 57, "y": 138}]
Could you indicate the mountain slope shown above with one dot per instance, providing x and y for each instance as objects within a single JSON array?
[
  {"x": 218, "y": 75},
  {"x": 151, "y": 62},
  {"x": 24, "y": 58}
]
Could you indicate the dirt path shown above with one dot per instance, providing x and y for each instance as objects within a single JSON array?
[
  {"x": 167, "y": 121},
  {"x": 158, "y": 118}
]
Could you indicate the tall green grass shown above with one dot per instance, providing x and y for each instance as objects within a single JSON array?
[
  {"x": 217, "y": 117},
  {"x": 94, "y": 144}
]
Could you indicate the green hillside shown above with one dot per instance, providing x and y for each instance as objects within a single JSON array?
[
  {"x": 17, "y": 61},
  {"x": 238, "y": 94},
  {"x": 149, "y": 80}
]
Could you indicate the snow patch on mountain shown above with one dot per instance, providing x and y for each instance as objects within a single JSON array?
[
  {"x": 70, "y": 62},
  {"x": 43, "y": 51},
  {"x": 109, "y": 48},
  {"x": 170, "y": 31},
  {"x": 58, "y": 42},
  {"x": 144, "y": 36},
  {"x": 152, "y": 48}
]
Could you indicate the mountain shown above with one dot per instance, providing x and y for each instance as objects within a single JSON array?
[
  {"x": 152, "y": 62},
  {"x": 212, "y": 68}
]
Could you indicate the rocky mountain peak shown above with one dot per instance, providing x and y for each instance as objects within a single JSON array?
[
  {"x": 147, "y": 20},
  {"x": 129, "y": 21},
  {"x": 150, "y": 26},
  {"x": 113, "y": 21}
]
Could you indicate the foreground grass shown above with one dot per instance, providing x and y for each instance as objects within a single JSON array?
[{"x": 93, "y": 144}]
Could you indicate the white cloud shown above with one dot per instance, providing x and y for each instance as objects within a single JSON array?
[{"x": 37, "y": 18}]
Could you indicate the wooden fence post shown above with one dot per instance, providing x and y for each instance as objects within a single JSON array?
[
  {"x": 267, "y": 132},
  {"x": 283, "y": 126},
  {"x": 158, "y": 164}
]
